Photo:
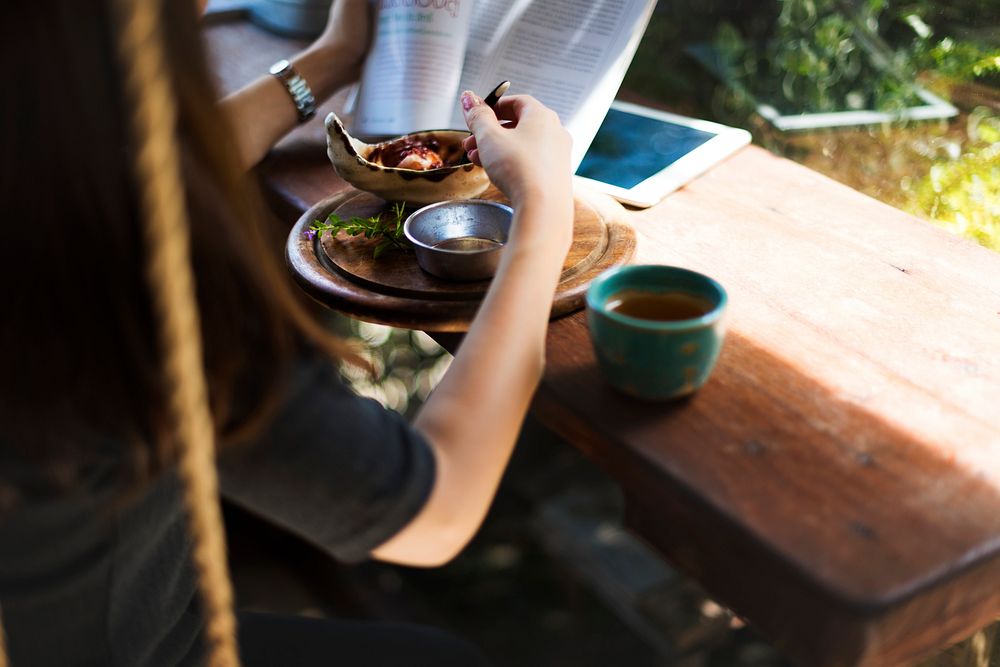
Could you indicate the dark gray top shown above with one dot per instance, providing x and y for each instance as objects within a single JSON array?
[{"x": 88, "y": 577}]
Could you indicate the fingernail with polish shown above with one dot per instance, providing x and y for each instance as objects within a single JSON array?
[{"x": 469, "y": 100}]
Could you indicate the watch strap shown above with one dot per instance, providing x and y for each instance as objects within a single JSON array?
[{"x": 298, "y": 89}]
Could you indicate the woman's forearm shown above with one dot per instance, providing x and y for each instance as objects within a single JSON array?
[
  {"x": 474, "y": 415},
  {"x": 262, "y": 112}
]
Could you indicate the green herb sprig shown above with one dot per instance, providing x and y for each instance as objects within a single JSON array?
[{"x": 390, "y": 232}]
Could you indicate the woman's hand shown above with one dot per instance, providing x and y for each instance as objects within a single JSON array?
[
  {"x": 528, "y": 158},
  {"x": 530, "y": 152}
]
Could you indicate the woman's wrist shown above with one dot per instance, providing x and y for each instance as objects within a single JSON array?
[
  {"x": 540, "y": 192},
  {"x": 543, "y": 231},
  {"x": 545, "y": 207}
]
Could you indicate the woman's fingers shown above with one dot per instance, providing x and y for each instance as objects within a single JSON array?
[
  {"x": 513, "y": 108},
  {"x": 520, "y": 143},
  {"x": 471, "y": 149},
  {"x": 479, "y": 117}
]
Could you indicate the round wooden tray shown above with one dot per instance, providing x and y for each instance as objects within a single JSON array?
[{"x": 341, "y": 273}]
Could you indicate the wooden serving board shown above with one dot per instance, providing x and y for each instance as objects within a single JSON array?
[{"x": 340, "y": 271}]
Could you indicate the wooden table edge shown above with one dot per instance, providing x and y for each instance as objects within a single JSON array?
[{"x": 855, "y": 631}]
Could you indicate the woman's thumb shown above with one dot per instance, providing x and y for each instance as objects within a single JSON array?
[{"x": 479, "y": 117}]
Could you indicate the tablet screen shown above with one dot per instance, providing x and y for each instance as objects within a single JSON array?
[{"x": 629, "y": 148}]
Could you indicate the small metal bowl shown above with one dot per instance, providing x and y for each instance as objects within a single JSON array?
[{"x": 459, "y": 240}]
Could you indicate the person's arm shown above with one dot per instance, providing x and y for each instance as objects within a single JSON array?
[
  {"x": 262, "y": 112},
  {"x": 474, "y": 415}
]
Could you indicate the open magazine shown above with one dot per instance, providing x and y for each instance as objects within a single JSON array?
[{"x": 570, "y": 54}]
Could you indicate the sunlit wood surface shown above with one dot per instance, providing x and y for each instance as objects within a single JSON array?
[{"x": 838, "y": 479}]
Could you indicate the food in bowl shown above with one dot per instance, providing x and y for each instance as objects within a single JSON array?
[
  {"x": 404, "y": 153},
  {"x": 417, "y": 168}
]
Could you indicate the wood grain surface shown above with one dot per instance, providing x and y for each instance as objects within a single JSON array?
[
  {"x": 340, "y": 272},
  {"x": 843, "y": 462},
  {"x": 837, "y": 481}
]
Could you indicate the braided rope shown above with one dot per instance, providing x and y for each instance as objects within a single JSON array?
[
  {"x": 171, "y": 283},
  {"x": 3, "y": 643},
  {"x": 172, "y": 286}
]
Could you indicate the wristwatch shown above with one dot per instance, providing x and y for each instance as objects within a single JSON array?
[{"x": 302, "y": 96}]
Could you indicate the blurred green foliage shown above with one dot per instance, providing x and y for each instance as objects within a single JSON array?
[
  {"x": 817, "y": 61},
  {"x": 835, "y": 55},
  {"x": 838, "y": 55},
  {"x": 958, "y": 60},
  {"x": 407, "y": 365},
  {"x": 963, "y": 195}
]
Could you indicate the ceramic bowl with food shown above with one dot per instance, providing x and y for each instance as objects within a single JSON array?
[
  {"x": 416, "y": 168},
  {"x": 459, "y": 240}
]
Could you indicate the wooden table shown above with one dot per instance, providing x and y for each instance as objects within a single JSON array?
[{"x": 837, "y": 481}]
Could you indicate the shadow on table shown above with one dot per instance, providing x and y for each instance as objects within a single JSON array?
[{"x": 836, "y": 532}]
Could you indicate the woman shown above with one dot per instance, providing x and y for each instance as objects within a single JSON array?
[{"x": 95, "y": 561}]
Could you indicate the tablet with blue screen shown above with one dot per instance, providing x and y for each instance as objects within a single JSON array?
[{"x": 639, "y": 155}]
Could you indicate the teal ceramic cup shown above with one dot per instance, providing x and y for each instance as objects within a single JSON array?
[{"x": 655, "y": 359}]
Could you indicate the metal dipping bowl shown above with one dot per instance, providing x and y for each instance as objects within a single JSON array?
[{"x": 459, "y": 240}]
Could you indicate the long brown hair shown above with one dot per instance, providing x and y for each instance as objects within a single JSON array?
[{"x": 78, "y": 350}]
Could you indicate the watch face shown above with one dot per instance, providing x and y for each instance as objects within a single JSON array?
[{"x": 278, "y": 68}]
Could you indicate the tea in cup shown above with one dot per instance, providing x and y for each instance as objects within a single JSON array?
[{"x": 657, "y": 330}]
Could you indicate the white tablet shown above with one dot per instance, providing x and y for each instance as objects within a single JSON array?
[{"x": 640, "y": 155}]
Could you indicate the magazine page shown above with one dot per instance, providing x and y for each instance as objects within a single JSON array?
[
  {"x": 410, "y": 79},
  {"x": 570, "y": 54}
]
